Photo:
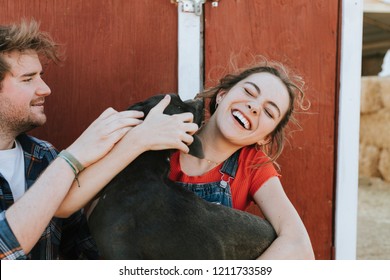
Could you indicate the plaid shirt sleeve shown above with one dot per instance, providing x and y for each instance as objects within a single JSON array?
[
  {"x": 10, "y": 248},
  {"x": 71, "y": 235}
]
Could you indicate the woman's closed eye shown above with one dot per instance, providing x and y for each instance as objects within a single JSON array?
[
  {"x": 269, "y": 113},
  {"x": 251, "y": 89},
  {"x": 249, "y": 92}
]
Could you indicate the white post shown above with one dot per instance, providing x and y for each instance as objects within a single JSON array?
[
  {"x": 190, "y": 78},
  {"x": 347, "y": 179}
]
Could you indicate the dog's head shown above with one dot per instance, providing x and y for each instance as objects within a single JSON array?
[{"x": 177, "y": 106}]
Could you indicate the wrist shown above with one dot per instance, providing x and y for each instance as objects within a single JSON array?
[
  {"x": 73, "y": 163},
  {"x": 139, "y": 143}
]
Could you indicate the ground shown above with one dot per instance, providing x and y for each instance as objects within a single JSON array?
[{"x": 373, "y": 229}]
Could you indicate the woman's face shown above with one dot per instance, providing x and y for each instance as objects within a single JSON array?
[{"x": 252, "y": 109}]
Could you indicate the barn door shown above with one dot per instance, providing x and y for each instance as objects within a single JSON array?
[
  {"x": 117, "y": 53},
  {"x": 304, "y": 35}
]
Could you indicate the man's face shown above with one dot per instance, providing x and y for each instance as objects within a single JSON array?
[{"x": 22, "y": 94}]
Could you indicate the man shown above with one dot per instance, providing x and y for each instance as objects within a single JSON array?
[{"x": 28, "y": 229}]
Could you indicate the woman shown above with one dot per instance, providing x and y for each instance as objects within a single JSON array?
[{"x": 241, "y": 140}]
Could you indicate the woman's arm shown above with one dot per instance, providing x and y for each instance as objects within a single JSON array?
[
  {"x": 293, "y": 241},
  {"x": 158, "y": 131}
]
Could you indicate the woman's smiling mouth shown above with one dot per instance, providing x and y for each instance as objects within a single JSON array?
[{"x": 241, "y": 119}]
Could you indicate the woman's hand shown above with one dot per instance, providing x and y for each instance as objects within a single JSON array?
[
  {"x": 160, "y": 131},
  {"x": 157, "y": 131},
  {"x": 99, "y": 138}
]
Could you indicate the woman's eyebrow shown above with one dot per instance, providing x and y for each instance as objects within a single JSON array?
[{"x": 255, "y": 86}]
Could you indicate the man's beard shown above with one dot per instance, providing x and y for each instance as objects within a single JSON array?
[
  {"x": 18, "y": 126},
  {"x": 15, "y": 120},
  {"x": 31, "y": 124}
]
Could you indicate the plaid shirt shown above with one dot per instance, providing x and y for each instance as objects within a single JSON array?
[{"x": 63, "y": 238}]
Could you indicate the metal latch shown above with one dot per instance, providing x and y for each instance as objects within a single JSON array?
[{"x": 194, "y": 6}]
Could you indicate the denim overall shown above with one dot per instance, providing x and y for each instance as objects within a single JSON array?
[{"x": 217, "y": 192}]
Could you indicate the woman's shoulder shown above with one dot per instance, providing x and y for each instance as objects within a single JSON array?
[
  {"x": 255, "y": 163},
  {"x": 253, "y": 155}
]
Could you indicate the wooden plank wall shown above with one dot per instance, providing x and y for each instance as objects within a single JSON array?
[
  {"x": 303, "y": 35},
  {"x": 117, "y": 53}
]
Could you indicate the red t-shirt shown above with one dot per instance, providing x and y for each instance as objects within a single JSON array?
[{"x": 248, "y": 177}]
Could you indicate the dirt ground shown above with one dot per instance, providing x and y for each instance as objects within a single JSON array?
[{"x": 373, "y": 228}]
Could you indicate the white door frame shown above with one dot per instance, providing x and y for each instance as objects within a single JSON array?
[
  {"x": 347, "y": 174},
  {"x": 190, "y": 50}
]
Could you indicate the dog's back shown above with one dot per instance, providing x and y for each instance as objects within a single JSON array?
[{"x": 142, "y": 215}]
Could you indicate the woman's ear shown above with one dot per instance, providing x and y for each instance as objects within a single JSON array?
[
  {"x": 264, "y": 141},
  {"x": 220, "y": 96}
]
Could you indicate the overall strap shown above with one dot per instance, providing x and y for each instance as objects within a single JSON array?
[
  {"x": 231, "y": 164},
  {"x": 229, "y": 168}
]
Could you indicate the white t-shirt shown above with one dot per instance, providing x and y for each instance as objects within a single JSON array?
[{"x": 12, "y": 169}]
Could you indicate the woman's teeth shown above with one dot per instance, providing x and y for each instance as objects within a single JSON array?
[{"x": 240, "y": 117}]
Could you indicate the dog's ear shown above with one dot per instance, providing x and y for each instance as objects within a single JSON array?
[
  {"x": 146, "y": 105},
  {"x": 198, "y": 106},
  {"x": 196, "y": 148}
]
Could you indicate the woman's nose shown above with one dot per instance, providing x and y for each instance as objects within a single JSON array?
[{"x": 253, "y": 109}]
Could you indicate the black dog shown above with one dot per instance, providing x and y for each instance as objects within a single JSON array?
[{"x": 143, "y": 215}]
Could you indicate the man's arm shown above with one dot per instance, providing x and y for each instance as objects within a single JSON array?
[{"x": 29, "y": 216}]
